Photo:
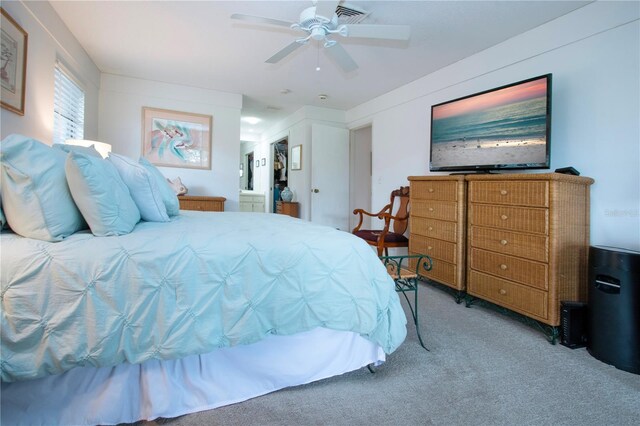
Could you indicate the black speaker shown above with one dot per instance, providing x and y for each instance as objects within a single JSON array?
[
  {"x": 573, "y": 323},
  {"x": 614, "y": 307}
]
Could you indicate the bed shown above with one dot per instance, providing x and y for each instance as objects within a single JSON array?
[{"x": 205, "y": 310}]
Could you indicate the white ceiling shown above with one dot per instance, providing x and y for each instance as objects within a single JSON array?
[{"x": 197, "y": 44}]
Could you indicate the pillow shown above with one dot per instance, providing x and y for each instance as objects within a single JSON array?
[
  {"x": 168, "y": 195},
  {"x": 35, "y": 196},
  {"x": 143, "y": 188},
  {"x": 89, "y": 150},
  {"x": 101, "y": 195}
]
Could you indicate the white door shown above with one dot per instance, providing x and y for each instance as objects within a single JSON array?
[{"x": 330, "y": 176}]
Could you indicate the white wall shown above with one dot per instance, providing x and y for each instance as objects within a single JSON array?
[
  {"x": 48, "y": 40},
  {"x": 593, "y": 54},
  {"x": 121, "y": 102}
]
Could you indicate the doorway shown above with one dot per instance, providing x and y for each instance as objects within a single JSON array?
[
  {"x": 280, "y": 179},
  {"x": 360, "y": 174}
]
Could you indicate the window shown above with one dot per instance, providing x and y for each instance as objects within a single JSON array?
[{"x": 68, "y": 107}]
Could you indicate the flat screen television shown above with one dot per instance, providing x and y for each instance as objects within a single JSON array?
[{"x": 508, "y": 127}]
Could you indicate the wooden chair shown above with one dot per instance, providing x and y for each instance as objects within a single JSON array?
[{"x": 394, "y": 224}]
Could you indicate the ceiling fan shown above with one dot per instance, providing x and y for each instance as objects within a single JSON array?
[{"x": 319, "y": 22}]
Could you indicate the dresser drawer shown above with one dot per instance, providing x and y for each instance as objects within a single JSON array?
[
  {"x": 522, "y": 193},
  {"x": 442, "y": 272},
  {"x": 436, "y": 249},
  {"x": 441, "y": 210},
  {"x": 526, "y": 272},
  {"x": 523, "y": 219},
  {"x": 526, "y": 300},
  {"x": 528, "y": 246},
  {"x": 434, "y": 190},
  {"x": 202, "y": 203},
  {"x": 439, "y": 229}
]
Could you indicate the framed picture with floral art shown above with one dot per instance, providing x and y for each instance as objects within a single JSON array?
[
  {"x": 13, "y": 66},
  {"x": 176, "y": 139}
]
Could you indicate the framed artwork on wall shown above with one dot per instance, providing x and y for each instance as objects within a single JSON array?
[
  {"x": 296, "y": 157},
  {"x": 176, "y": 139},
  {"x": 13, "y": 67}
]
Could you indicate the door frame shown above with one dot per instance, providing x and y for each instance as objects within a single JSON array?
[{"x": 272, "y": 177}]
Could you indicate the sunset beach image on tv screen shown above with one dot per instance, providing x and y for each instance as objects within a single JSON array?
[{"x": 506, "y": 126}]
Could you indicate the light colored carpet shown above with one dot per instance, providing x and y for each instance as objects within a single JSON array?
[{"x": 484, "y": 368}]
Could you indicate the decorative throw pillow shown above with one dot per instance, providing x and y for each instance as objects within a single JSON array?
[
  {"x": 101, "y": 195},
  {"x": 143, "y": 188},
  {"x": 168, "y": 196},
  {"x": 35, "y": 196},
  {"x": 89, "y": 150}
]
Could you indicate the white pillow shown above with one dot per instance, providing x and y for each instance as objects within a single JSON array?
[
  {"x": 35, "y": 197},
  {"x": 169, "y": 197},
  {"x": 143, "y": 188},
  {"x": 101, "y": 195}
]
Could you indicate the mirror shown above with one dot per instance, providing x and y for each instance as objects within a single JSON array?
[{"x": 296, "y": 157}]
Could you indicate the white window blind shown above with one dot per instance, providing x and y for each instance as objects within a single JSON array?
[{"x": 68, "y": 107}]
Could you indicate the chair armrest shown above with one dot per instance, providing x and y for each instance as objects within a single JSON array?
[{"x": 362, "y": 212}]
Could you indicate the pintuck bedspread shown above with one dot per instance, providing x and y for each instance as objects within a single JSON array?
[{"x": 189, "y": 286}]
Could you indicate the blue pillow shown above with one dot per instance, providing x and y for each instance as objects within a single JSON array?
[
  {"x": 143, "y": 188},
  {"x": 35, "y": 196},
  {"x": 101, "y": 195},
  {"x": 89, "y": 150},
  {"x": 168, "y": 196}
]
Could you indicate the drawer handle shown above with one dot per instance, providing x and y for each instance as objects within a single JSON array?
[
  {"x": 430, "y": 209},
  {"x": 503, "y": 267},
  {"x": 430, "y": 189},
  {"x": 503, "y": 192},
  {"x": 430, "y": 228},
  {"x": 504, "y": 217},
  {"x": 429, "y": 248},
  {"x": 503, "y": 242},
  {"x": 503, "y": 291}
]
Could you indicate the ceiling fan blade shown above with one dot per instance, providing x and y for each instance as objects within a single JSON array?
[
  {"x": 284, "y": 52},
  {"x": 341, "y": 56},
  {"x": 261, "y": 20},
  {"x": 326, "y": 8},
  {"x": 389, "y": 32}
]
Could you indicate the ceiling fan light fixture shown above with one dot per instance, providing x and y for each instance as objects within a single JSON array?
[
  {"x": 318, "y": 33},
  {"x": 329, "y": 42}
]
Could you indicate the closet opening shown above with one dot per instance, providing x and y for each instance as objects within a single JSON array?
[{"x": 280, "y": 180}]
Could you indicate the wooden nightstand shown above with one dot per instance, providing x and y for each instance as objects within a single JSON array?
[
  {"x": 202, "y": 203},
  {"x": 288, "y": 208}
]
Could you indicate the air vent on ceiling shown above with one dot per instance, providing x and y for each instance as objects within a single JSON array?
[{"x": 350, "y": 14}]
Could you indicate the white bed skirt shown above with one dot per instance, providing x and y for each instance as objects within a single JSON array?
[{"x": 128, "y": 393}]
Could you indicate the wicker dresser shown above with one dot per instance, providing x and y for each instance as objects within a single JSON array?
[
  {"x": 437, "y": 226},
  {"x": 528, "y": 239}
]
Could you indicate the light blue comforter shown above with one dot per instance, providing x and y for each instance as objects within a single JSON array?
[{"x": 199, "y": 282}]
